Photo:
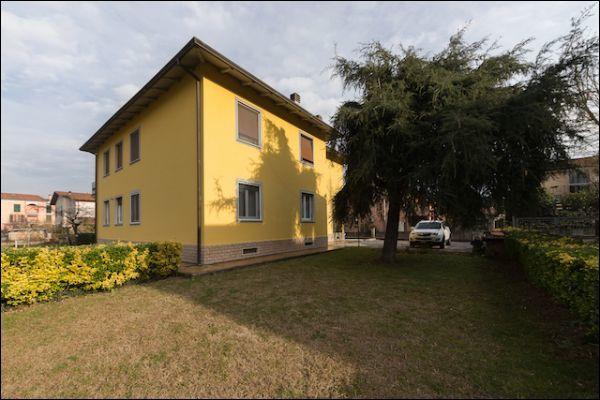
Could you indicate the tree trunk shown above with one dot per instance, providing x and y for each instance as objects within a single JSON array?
[{"x": 390, "y": 243}]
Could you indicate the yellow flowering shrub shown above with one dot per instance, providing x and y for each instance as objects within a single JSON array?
[
  {"x": 565, "y": 267},
  {"x": 30, "y": 275}
]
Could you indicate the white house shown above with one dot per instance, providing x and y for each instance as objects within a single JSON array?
[{"x": 81, "y": 205}]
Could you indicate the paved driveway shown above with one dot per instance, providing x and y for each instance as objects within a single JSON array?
[{"x": 461, "y": 247}]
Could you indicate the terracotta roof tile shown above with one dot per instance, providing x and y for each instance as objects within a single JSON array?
[{"x": 22, "y": 196}]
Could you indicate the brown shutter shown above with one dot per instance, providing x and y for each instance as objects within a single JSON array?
[
  {"x": 134, "y": 153},
  {"x": 306, "y": 148},
  {"x": 247, "y": 124}
]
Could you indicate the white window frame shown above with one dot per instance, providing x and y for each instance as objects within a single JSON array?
[
  {"x": 237, "y": 203},
  {"x": 312, "y": 218},
  {"x": 238, "y": 101},
  {"x": 106, "y": 210},
  {"x": 139, "y": 131},
  {"x": 118, "y": 218},
  {"x": 139, "y": 196},
  {"x": 311, "y": 137}
]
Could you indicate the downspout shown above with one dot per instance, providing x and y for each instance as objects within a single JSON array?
[{"x": 199, "y": 162}]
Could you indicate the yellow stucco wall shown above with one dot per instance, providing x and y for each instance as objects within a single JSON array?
[
  {"x": 165, "y": 175},
  {"x": 276, "y": 166},
  {"x": 167, "y": 180}
]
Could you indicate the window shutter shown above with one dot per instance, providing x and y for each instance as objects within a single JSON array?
[
  {"x": 247, "y": 124},
  {"x": 135, "y": 146},
  {"x": 306, "y": 149}
]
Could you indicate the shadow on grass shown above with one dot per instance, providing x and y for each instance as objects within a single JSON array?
[{"x": 432, "y": 325}]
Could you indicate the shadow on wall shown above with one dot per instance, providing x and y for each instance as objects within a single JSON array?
[{"x": 283, "y": 178}]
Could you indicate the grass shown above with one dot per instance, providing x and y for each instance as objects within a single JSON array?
[{"x": 337, "y": 324}]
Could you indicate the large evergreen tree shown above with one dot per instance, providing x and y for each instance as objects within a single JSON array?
[{"x": 464, "y": 130}]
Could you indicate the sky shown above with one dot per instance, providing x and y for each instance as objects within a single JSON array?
[{"x": 67, "y": 67}]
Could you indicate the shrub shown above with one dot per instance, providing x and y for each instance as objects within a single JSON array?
[
  {"x": 566, "y": 268},
  {"x": 30, "y": 275}
]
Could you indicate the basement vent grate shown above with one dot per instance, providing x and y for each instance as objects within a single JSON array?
[
  {"x": 308, "y": 242},
  {"x": 250, "y": 250}
]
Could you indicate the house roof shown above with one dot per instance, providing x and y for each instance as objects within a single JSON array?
[
  {"x": 194, "y": 53},
  {"x": 22, "y": 196},
  {"x": 580, "y": 162},
  {"x": 72, "y": 195}
]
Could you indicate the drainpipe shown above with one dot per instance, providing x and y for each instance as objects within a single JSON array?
[{"x": 199, "y": 162}]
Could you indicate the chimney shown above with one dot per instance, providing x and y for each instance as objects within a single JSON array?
[{"x": 295, "y": 97}]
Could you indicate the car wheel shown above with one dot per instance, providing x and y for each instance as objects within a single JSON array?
[
  {"x": 449, "y": 242},
  {"x": 443, "y": 244}
]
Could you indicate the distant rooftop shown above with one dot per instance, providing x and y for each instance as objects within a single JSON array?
[
  {"x": 76, "y": 196},
  {"x": 22, "y": 196}
]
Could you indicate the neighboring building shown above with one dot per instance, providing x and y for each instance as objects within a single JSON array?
[
  {"x": 573, "y": 179},
  {"x": 19, "y": 210},
  {"x": 208, "y": 155},
  {"x": 83, "y": 205}
]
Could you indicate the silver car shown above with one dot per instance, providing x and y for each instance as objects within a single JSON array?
[{"x": 431, "y": 233}]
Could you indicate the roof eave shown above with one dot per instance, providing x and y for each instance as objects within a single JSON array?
[{"x": 121, "y": 116}]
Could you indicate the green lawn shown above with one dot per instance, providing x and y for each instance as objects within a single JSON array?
[{"x": 337, "y": 324}]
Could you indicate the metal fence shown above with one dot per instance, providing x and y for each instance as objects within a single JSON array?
[{"x": 564, "y": 226}]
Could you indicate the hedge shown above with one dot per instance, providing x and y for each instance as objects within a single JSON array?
[
  {"x": 35, "y": 274},
  {"x": 566, "y": 268}
]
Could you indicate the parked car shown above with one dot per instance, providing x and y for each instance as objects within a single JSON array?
[{"x": 431, "y": 233}]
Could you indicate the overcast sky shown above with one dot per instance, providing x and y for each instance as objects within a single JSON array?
[{"x": 67, "y": 67}]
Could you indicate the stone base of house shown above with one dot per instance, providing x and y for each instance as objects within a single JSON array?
[{"x": 247, "y": 250}]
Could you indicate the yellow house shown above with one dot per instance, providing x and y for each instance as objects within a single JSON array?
[{"x": 208, "y": 155}]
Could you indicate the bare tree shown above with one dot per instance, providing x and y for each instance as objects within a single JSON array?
[{"x": 73, "y": 219}]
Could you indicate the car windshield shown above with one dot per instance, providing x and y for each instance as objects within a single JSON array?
[{"x": 429, "y": 225}]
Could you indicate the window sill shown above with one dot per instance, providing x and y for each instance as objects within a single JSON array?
[
  {"x": 134, "y": 223},
  {"x": 258, "y": 146},
  {"x": 119, "y": 224},
  {"x": 118, "y": 169},
  {"x": 307, "y": 163},
  {"x": 134, "y": 161},
  {"x": 249, "y": 220},
  {"x": 307, "y": 221}
]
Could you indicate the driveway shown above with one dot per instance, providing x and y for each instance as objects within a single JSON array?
[{"x": 456, "y": 247}]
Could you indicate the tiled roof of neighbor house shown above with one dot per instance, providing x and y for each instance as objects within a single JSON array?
[
  {"x": 73, "y": 195},
  {"x": 194, "y": 53},
  {"x": 580, "y": 162},
  {"x": 21, "y": 196}
]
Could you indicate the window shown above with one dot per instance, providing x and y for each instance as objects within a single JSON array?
[
  {"x": 106, "y": 213},
  {"x": 307, "y": 207},
  {"x": 248, "y": 124},
  {"x": 106, "y": 162},
  {"x": 17, "y": 208},
  {"x": 119, "y": 211},
  {"x": 306, "y": 149},
  {"x": 119, "y": 156},
  {"x": 428, "y": 225},
  {"x": 134, "y": 153},
  {"x": 135, "y": 208},
  {"x": 578, "y": 180},
  {"x": 249, "y": 202},
  {"x": 48, "y": 209}
]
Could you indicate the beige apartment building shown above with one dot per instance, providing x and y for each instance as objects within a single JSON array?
[{"x": 571, "y": 180}]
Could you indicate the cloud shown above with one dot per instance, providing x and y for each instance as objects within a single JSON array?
[
  {"x": 126, "y": 91},
  {"x": 67, "y": 67}
]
